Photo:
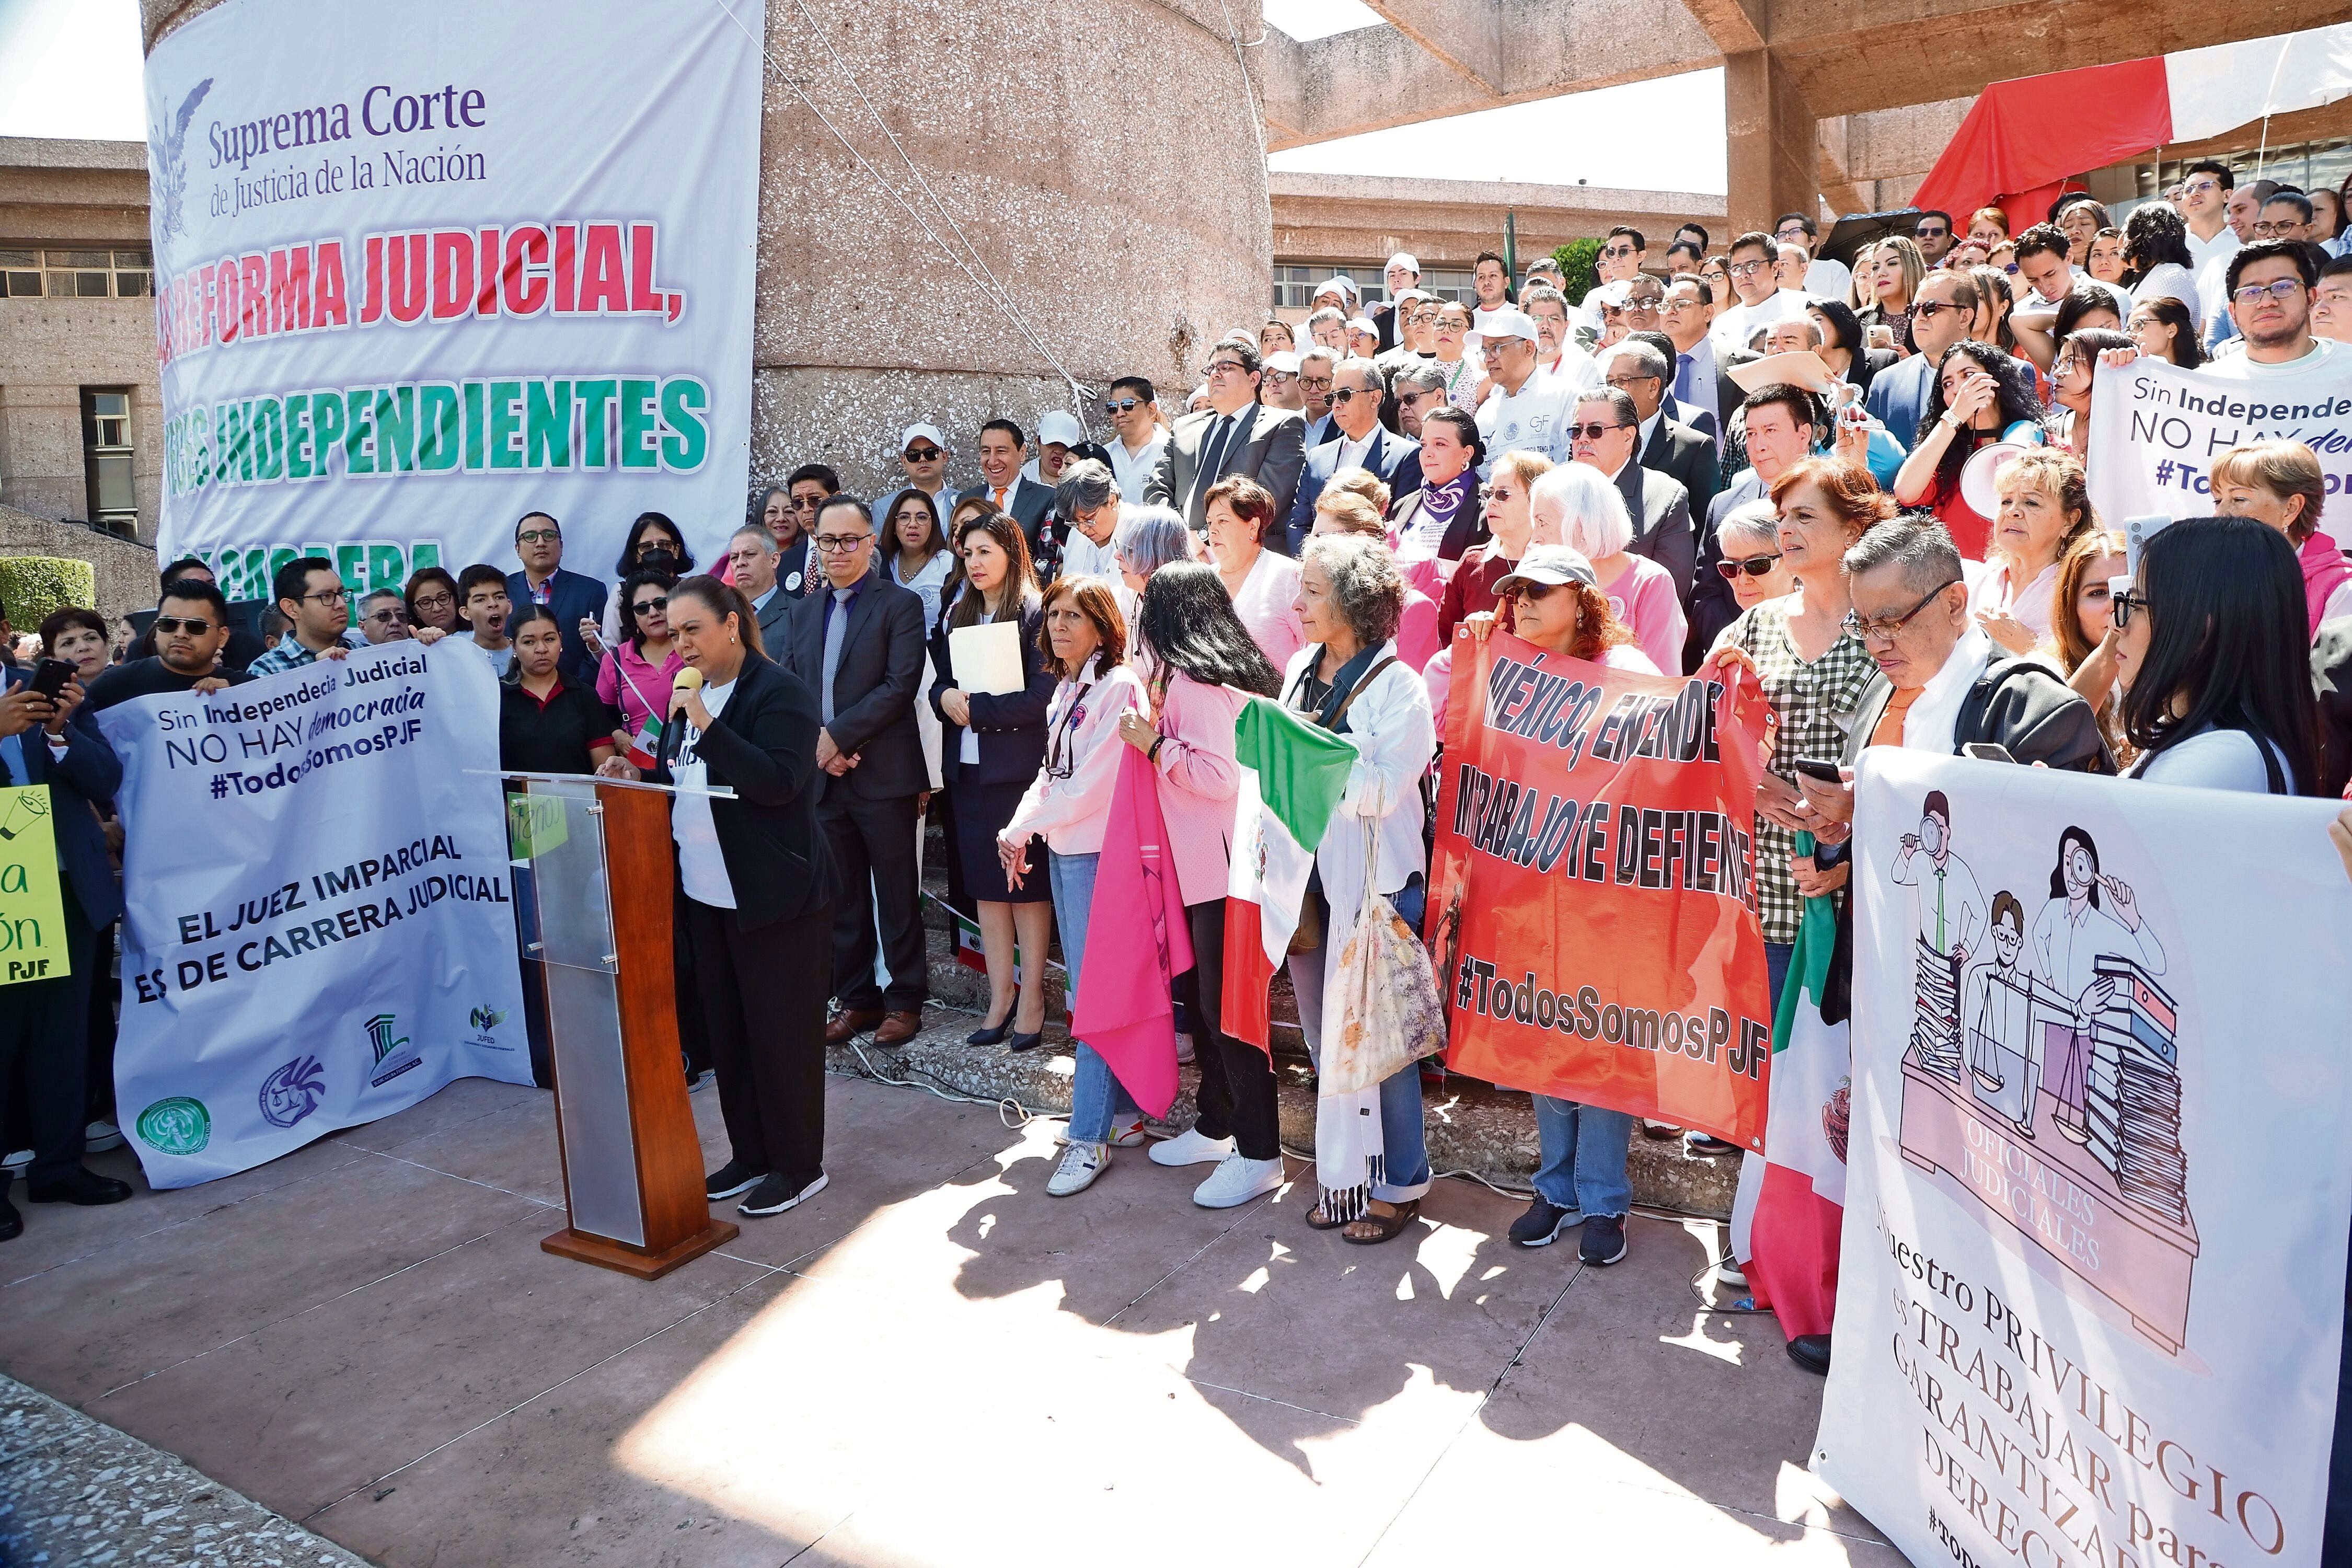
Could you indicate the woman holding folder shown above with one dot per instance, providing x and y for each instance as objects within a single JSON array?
[{"x": 990, "y": 695}]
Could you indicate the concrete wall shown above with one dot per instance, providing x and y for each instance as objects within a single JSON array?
[
  {"x": 125, "y": 571},
  {"x": 1446, "y": 223}
]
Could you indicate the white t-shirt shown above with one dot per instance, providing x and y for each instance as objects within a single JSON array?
[
  {"x": 1829, "y": 280},
  {"x": 1574, "y": 368},
  {"x": 2324, "y": 358},
  {"x": 1536, "y": 419},
  {"x": 700, "y": 867},
  {"x": 2216, "y": 759},
  {"x": 1738, "y": 323},
  {"x": 2168, "y": 279}
]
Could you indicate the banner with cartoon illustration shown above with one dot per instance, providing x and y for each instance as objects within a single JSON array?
[
  {"x": 421, "y": 270},
  {"x": 320, "y": 924},
  {"x": 2092, "y": 1297},
  {"x": 1591, "y": 904}
]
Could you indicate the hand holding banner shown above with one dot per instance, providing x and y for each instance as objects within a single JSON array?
[
  {"x": 1591, "y": 908},
  {"x": 32, "y": 915}
]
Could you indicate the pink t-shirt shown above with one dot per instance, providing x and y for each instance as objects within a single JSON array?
[
  {"x": 1643, "y": 597},
  {"x": 1267, "y": 605}
]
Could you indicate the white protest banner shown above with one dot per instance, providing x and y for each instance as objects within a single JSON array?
[
  {"x": 2156, "y": 428},
  {"x": 320, "y": 928},
  {"x": 2091, "y": 1296},
  {"x": 423, "y": 268}
]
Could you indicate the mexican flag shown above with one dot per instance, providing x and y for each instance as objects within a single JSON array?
[
  {"x": 1293, "y": 774},
  {"x": 1785, "y": 1222}
]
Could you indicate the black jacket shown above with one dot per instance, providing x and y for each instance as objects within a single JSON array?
[
  {"x": 1010, "y": 725},
  {"x": 763, "y": 745},
  {"x": 1660, "y": 508},
  {"x": 873, "y": 690},
  {"x": 1687, "y": 457},
  {"x": 2018, "y": 704},
  {"x": 1468, "y": 527}
]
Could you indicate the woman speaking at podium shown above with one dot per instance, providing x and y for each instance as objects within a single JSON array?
[{"x": 756, "y": 888}]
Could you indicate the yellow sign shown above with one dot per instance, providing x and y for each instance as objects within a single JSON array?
[
  {"x": 535, "y": 824},
  {"x": 32, "y": 913}
]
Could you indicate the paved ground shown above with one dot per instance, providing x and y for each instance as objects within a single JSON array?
[{"x": 931, "y": 1362}]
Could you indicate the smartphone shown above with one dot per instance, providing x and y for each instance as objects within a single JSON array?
[
  {"x": 50, "y": 677},
  {"x": 1813, "y": 768},
  {"x": 1986, "y": 751}
]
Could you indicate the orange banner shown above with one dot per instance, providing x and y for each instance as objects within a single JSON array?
[{"x": 1592, "y": 903}]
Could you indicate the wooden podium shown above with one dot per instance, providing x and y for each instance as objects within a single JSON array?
[{"x": 598, "y": 856}]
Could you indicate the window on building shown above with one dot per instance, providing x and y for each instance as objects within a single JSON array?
[
  {"x": 1294, "y": 281},
  {"x": 106, "y": 459},
  {"x": 58, "y": 272},
  {"x": 1449, "y": 283}
]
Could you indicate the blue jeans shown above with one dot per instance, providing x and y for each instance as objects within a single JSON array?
[
  {"x": 1776, "y": 972},
  {"x": 1583, "y": 1150},
  {"x": 1096, "y": 1098},
  {"x": 1405, "y": 1150}
]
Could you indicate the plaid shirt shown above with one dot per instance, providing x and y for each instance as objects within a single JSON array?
[
  {"x": 1815, "y": 705},
  {"x": 289, "y": 654}
]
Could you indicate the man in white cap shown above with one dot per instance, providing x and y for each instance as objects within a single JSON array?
[
  {"x": 1338, "y": 292},
  {"x": 1058, "y": 435},
  {"x": 923, "y": 453},
  {"x": 1522, "y": 411},
  {"x": 1402, "y": 272},
  {"x": 1280, "y": 388}
]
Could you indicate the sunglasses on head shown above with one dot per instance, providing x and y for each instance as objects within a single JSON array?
[
  {"x": 195, "y": 625},
  {"x": 1754, "y": 566},
  {"x": 921, "y": 453}
]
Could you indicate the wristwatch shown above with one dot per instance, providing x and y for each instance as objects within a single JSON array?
[{"x": 1152, "y": 757}]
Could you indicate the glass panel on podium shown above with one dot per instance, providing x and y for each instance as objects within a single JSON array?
[{"x": 556, "y": 833}]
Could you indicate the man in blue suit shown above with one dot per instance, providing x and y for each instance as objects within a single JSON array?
[
  {"x": 45, "y": 1024},
  {"x": 1944, "y": 313},
  {"x": 1359, "y": 441},
  {"x": 539, "y": 542}
]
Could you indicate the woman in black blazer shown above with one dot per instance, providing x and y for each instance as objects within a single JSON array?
[
  {"x": 990, "y": 750},
  {"x": 756, "y": 888}
]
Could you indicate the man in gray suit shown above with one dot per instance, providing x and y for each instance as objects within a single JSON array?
[
  {"x": 754, "y": 552},
  {"x": 859, "y": 643},
  {"x": 1657, "y": 503},
  {"x": 1002, "y": 450},
  {"x": 1235, "y": 434}
]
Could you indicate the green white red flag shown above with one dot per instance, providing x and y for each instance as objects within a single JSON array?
[{"x": 1293, "y": 774}]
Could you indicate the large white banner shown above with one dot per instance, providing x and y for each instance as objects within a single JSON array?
[
  {"x": 2156, "y": 428},
  {"x": 2093, "y": 1284},
  {"x": 320, "y": 928},
  {"x": 422, "y": 268}
]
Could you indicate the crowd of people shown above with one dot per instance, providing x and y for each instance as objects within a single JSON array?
[{"x": 1752, "y": 456}]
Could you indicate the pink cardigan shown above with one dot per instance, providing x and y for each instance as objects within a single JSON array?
[
  {"x": 1199, "y": 780},
  {"x": 1072, "y": 812}
]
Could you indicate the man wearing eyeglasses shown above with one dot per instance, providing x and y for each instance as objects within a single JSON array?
[
  {"x": 1830, "y": 279},
  {"x": 313, "y": 598},
  {"x": 2205, "y": 190},
  {"x": 1606, "y": 426},
  {"x": 1664, "y": 445},
  {"x": 1359, "y": 441},
  {"x": 1761, "y": 300},
  {"x": 1622, "y": 252},
  {"x": 1235, "y": 434},
  {"x": 191, "y": 629},
  {"x": 2269, "y": 286},
  {"x": 1132, "y": 408},
  {"x": 1522, "y": 412},
  {"x": 539, "y": 542},
  {"x": 1416, "y": 319},
  {"x": 1931, "y": 231}
]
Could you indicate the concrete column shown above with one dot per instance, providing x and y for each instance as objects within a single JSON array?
[{"x": 1772, "y": 159}]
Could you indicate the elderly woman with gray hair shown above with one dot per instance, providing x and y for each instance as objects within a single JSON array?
[
  {"x": 1087, "y": 500},
  {"x": 1747, "y": 541},
  {"x": 1149, "y": 537},
  {"x": 1348, "y": 679}
]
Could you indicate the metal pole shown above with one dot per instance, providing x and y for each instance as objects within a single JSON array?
[{"x": 1510, "y": 248}]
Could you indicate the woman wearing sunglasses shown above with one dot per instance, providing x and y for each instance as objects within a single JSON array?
[
  {"x": 634, "y": 677},
  {"x": 1749, "y": 538}
]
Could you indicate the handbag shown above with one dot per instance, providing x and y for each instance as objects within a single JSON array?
[{"x": 1313, "y": 908}]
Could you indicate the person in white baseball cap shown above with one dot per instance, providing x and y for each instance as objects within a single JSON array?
[
  {"x": 923, "y": 453},
  {"x": 1280, "y": 389},
  {"x": 1520, "y": 410},
  {"x": 1058, "y": 434},
  {"x": 1402, "y": 272},
  {"x": 1341, "y": 289}
]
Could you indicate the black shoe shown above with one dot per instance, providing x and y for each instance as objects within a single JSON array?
[
  {"x": 1543, "y": 1222},
  {"x": 1603, "y": 1242},
  {"x": 12, "y": 1224},
  {"x": 732, "y": 1180},
  {"x": 990, "y": 1037},
  {"x": 772, "y": 1196},
  {"x": 1706, "y": 1143},
  {"x": 1029, "y": 1042},
  {"x": 1811, "y": 1352},
  {"x": 85, "y": 1187}
]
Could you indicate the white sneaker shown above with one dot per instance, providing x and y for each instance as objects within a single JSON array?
[
  {"x": 1727, "y": 1273},
  {"x": 99, "y": 1136},
  {"x": 1127, "y": 1134},
  {"x": 1189, "y": 1147},
  {"x": 1236, "y": 1180},
  {"x": 1081, "y": 1163},
  {"x": 17, "y": 1163}
]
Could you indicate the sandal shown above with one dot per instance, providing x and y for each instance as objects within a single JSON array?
[
  {"x": 1375, "y": 1228},
  {"x": 1318, "y": 1219}
]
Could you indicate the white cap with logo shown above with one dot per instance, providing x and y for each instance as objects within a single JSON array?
[
  {"x": 928, "y": 432},
  {"x": 1504, "y": 323},
  {"x": 1056, "y": 429}
]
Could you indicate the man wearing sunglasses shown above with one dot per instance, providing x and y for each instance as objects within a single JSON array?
[
  {"x": 243, "y": 647},
  {"x": 1132, "y": 406},
  {"x": 1359, "y": 441},
  {"x": 1622, "y": 252},
  {"x": 923, "y": 453},
  {"x": 1931, "y": 231},
  {"x": 1235, "y": 434},
  {"x": 191, "y": 631}
]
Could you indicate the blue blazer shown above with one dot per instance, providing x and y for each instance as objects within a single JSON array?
[
  {"x": 573, "y": 597},
  {"x": 1396, "y": 458},
  {"x": 88, "y": 773},
  {"x": 1898, "y": 396}
]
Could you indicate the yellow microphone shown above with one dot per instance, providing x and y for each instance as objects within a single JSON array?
[{"x": 687, "y": 679}]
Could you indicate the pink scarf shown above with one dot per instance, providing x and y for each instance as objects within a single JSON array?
[
  {"x": 2324, "y": 571},
  {"x": 1137, "y": 943}
]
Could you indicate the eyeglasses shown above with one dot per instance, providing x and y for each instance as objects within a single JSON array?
[
  {"x": 1349, "y": 394},
  {"x": 536, "y": 535},
  {"x": 1593, "y": 432},
  {"x": 1117, "y": 406},
  {"x": 1618, "y": 252},
  {"x": 386, "y": 616},
  {"x": 1753, "y": 566},
  {"x": 1886, "y": 630},
  {"x": 921, "y": 455},
  {"x": 2281, "y": 228},
  {"x": 1280, "y": 377},
  {"x": 2278, "y": 289},
  {"x": 1316, "y": 382},
  {"x": 1630, "y": 380},
  {"x": 2198, "y": 187},
  {"x": 172, "y": 625},
  {"x": 838, "y": 543},
  {"x": 798, "y": 503},
  {"x": 323, "y": 597},
  {"x": 650, "y": 607},
  {"x": 435, "y": 601},
  {"x": 2123, "y": 603},
  {"x": 1748, "y": 268},
  {"x": 1218, "y": 367}
]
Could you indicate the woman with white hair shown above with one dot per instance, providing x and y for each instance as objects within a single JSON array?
[
  {"x": 1149, "y": 537},
  {"x": 1747, "y": 541},
  {"x": 1591, "y": 515}
]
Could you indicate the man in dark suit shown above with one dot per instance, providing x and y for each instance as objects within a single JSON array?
[
  {"x": 1235, "y": 434},
  {"x": 1002, "y": 450},
  {"x": 1639, "y": 369},
  {"x": 1360, "y": 441},
  {"x": 45, "y": 1024},
  {"x": 859, "y": 643},
  {"x": 1942, "y": 313},
  {"x": 539, "y": 542},
  {"x": 754, "y": 554},
  {"x": 1658, "y": 504},
  {"x": 1699, "y": 378}
]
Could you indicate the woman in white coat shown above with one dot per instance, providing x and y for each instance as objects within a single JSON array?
[{"x": 1348, "y": 679}]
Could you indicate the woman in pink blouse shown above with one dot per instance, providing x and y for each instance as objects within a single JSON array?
[
  {"x": 1069, "y": 803},
  {"x": 1204, "y": 666},
  {"x": 1641, "y": 593},
  {"x": 634, "y": 676},
  {"x": 1263, "y": 584}
]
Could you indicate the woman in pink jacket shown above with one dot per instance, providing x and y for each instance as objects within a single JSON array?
[
  {"x": 1204, "y": 666},
  {"x": 1069, "y": 803}
]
